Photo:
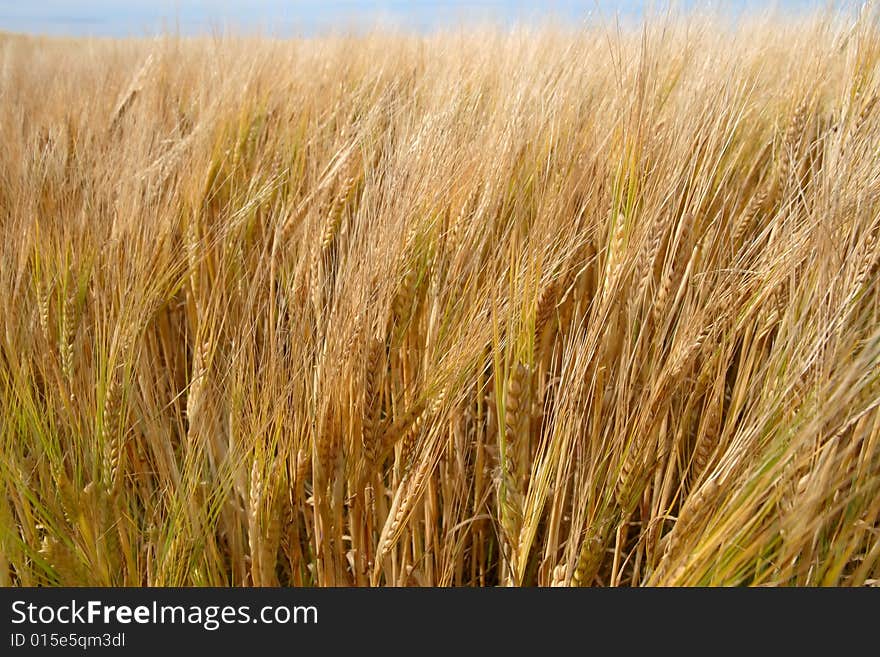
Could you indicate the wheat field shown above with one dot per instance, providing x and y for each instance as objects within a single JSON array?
[{"x": 547, "y": 306}]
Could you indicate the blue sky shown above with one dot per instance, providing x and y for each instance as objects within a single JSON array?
[{"x": 287, "y": 17}]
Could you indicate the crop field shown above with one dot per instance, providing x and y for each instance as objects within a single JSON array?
[{"x": 479, "y": 307}]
